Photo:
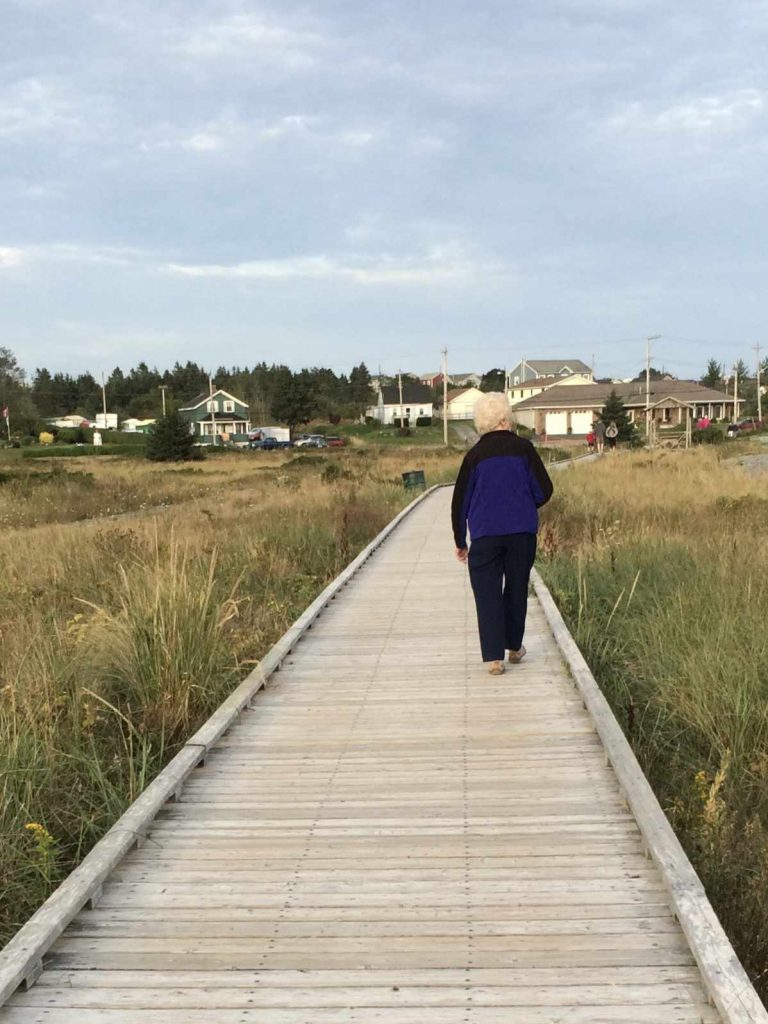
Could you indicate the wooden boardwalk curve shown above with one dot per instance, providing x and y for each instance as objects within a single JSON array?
[{"x": 389, "y": 835}]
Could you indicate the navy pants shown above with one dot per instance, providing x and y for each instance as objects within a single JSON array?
[{"x": 499, "y": 570}]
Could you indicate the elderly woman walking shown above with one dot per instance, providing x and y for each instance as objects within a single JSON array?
[{"x": 501, "y": 484}]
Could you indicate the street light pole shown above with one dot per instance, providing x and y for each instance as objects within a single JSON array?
[
  {"x": 758, "y": 350},
  {"x": 445, "y": 397},
  {"x": 652, "y": 338},
  {"x": 163, "y": 388}
]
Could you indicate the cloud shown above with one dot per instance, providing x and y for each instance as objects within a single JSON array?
[
  {"x": 441, "y": 264},
  {"x": 231, "y": 133},
  {"x": 698, "y": 115},
  {"x": 32, "y": 106},
  {"x": 63, "y": 252},
  {"x": 251, "y": 36},
  {"x": 10, "y": 257}
]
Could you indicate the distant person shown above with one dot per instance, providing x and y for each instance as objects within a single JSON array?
[
  {"x": 599, "y": 435},
  {"x": 612, "y": 433},
  {"x": 591, "y": 441},
  {"x": 501, "y": 484}
]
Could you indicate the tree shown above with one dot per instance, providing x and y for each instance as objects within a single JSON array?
[
  {"x": 292, "y": 400},
  {"x": 614, "y": 410},
  {"x": 360, "y": 391},
  {"x": 493, "y": 380},
  {"x": 713, "y": 376},
  {"x": 170, "y": 440},
  {"x": 654, "y": 374}
]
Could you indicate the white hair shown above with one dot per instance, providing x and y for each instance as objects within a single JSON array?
[{"x": 491, "y": 410}]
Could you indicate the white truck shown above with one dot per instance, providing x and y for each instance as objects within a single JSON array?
[{"x": 262, "y": 433}]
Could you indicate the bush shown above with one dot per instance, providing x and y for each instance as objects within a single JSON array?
[
  {"x": 73, "y": 435},
  {"x": 404, "y": 431},
  {"x": 708, "y": 435},
  {"x": 170, "y": 440},
  {"x": 424, "y": 421}
]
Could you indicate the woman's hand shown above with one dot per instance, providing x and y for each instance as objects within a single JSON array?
[{"x": 461, "y": 554}]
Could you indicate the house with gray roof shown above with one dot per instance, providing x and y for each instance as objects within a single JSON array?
[
  {"x": 571, "y": 409},
  {"x": 402, "y": 405},
  {"x": 529, "y": 369}
]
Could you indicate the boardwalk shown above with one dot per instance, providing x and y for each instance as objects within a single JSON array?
[{"x": 390, "y": 835}]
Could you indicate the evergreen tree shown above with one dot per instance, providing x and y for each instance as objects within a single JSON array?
[
  {"x": 292, "y": 401},
  {"x": 360, "y": 391},
  {"x": 170, "y": 440},
  {"x": 493, "y": 380},
  {"x": 614, "y": 410},
  {"x": 713, "y": 376}
]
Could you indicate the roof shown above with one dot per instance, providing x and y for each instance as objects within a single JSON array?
[
  {"x": 456, "y": 392},
  {"x": 632, "y": 394},
  {"x": 223, "y": 417},
  {"x": 205, "y": 396},
  {"x": 413, "y": 393},
  {"x": 538, "y": 382},
  {"x": 544, "y": 366}
]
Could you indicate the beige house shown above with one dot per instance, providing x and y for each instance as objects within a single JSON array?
[
  {"x": 528, "y": 388},
  {"x": 571, "y": 409},
  {"x": 461, "y": 403}
]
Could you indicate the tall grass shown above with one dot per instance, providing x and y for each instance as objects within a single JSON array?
[
  {"x": 118, "y": 638},
  {"x": 660, "y": 566}
]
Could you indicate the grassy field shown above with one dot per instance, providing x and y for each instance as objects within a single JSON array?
[
  {"x": 660, "y": 566},
  {"x": 120, "y": 635}
]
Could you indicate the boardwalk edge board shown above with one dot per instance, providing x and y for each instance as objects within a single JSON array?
[
  {"x": 21, "y": 961},
  {"x": 725, "y": 979}
]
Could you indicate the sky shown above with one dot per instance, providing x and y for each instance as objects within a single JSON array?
[{"x": 320, "y": 183}]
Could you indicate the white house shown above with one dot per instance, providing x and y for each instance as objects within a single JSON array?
[
  {"x": 461, "y": 403},
  {"x": 136, "y": 426},
  {"x": 402, "y": 405},
  {"x": 73, "y": 420}
]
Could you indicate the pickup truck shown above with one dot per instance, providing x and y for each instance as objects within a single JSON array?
[{"x": 269, "y": 444}]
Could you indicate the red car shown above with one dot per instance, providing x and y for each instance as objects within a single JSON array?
[
  {"x": 335, "y": 442},
  {"x": 750, "y": 425}
]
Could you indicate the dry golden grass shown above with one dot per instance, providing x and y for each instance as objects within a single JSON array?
[
  {"x": 660, "y": 565},
  {"x": 119, "y": 636}
]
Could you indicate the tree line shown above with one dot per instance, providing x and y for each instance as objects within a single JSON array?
[{"x": 272, "y": 391}]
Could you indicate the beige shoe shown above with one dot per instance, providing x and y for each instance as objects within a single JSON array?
[
  {"x": 496, "y": 668},
  {"x": 517, "y": 656}
]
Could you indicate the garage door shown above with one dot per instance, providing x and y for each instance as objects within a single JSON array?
[
  {"x": 581, "y": 422},
  {"x": 557, "y": 422}
]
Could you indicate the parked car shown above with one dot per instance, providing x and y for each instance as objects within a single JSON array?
[
  {"x": 310, "y": 441},
  {"x": 749, "y": 425},
  {"x": 335, "y": 442},
  {"x": 269, "y": 444}
]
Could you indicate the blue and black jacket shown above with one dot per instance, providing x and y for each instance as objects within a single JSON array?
[{"x": 501, "y": 484}]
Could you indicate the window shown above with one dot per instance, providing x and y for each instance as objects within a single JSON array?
[
  {"x": 421, "y": 412},
  {"x": 229, "y": 406},
  {"x": 210, "y": 406}
]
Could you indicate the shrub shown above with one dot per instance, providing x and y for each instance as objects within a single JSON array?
[
  {"x": 45, "y": 437},
  {"x": 424, "y": 421},
  {"x": 708, "y": 435},
  {"x": 170, "y": 440},
  {"x": 404, "y": 431}
]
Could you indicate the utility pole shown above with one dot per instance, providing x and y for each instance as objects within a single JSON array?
[
  {"x": 735, "y": 392},
  {"x": 163, "y": 388},
  {"x": 593, "y": 366},
  {"x": 400, "y": 387},
  {"x": 758, "y": 349},
  {"x": 104, "y": 399},
  {"x": 445, "y": 397},
  {"x": 213, "y": 410},
  {"x": 648, "y": 341}
]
